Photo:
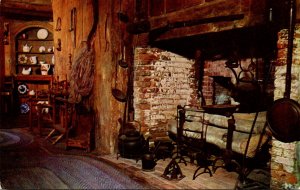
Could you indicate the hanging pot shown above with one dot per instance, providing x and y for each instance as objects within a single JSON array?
[{"x": 284, "y": 115}]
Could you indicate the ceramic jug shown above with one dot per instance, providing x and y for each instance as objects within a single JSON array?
[
  {"x": 33, "y": 59},
  {"x": 52, "y": 60},
  {"x": 26, "y": 71},
  {"x": 26, "y": 48},
  {"x": 44, "y": 67},
  {"x": 31, "y": 92},
  {"x": 50, "y": 49}
]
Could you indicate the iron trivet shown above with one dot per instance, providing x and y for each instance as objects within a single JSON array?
[{"x": 173, "y": 171}]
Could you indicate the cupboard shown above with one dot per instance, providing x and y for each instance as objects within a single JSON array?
[{"x": 34, "y": 63}]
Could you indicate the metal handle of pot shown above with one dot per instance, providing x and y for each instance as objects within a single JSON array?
[{"x": 138, "y": 123}]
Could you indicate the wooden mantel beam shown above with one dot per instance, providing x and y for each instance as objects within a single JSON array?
[
  {"x": 208, "y": 17},
  {"x": 25, "y": 11}
]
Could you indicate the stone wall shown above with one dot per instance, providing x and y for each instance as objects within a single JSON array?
[{"x": 283, "y": 162}]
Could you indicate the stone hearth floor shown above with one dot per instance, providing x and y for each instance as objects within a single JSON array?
[{"x": 220, "y": 180}]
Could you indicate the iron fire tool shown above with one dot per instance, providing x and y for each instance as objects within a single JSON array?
[
  {"x": 226, "y": 157},
  {"x": 173, "y": 171}
]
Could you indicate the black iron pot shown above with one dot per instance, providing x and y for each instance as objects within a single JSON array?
[
  {"x": 247, "y": 94},
  {"x": 148, "y": 162},
  {"x": 131, "y": 147}
]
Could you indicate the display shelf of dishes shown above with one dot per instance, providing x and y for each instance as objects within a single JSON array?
[
  {"x": 35, "y": 34},
  {"x": 35, "y": 52},
  {"x": 25, "y": 93},
  {"x": 34, "y": 62}
]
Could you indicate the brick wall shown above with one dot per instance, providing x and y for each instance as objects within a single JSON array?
[
  {"x": 218, "y": 68},
  {"x": 162, "y": 80},
  {"x": 284, "y": 160},
  {"x": 213, "y": 68}
]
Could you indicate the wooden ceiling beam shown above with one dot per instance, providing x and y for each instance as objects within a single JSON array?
[
  {"x": 25, "y": 11},
  {"x": 208, "y": 17}
]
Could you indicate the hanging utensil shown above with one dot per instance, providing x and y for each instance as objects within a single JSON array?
[
  {"x": 118, "y": 94},
  {"x": 58, "y": 44},
  {"x": 123, "y": 62},
  {"x": 58, "y": 24},
  {"x": 73, "y": 26},
  {"x": 284, "y": 115}
]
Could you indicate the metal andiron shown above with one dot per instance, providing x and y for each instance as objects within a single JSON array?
[{"x": 173, "y": 171}]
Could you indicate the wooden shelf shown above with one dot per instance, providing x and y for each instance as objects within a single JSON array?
[
  {"x": 19, "y": 52},
  {"x": 33, "y": 77},
  {"x": 35, "y": 39},
  {"x": 33, "y": 97},
  {"x": 35, "y": 81},
  {"x": 30, "y": 65}
]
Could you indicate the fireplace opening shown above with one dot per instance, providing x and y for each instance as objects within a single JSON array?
[{"x": 221, "y": 90}]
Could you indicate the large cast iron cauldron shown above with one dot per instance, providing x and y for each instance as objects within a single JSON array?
[{"x": 131, "y": 143}]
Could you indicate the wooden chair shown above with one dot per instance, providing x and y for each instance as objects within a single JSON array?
[
  {"x": 41, "y": 109},
  {"x": 7, "y": 95},
  {"x": 65, "y": 114},
  {"x": 46, "y": 110},
  {"x": 81, "y": 132},
  {"x": 62, "y": 110}
]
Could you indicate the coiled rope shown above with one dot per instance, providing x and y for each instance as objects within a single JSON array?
[{"x": 82, "y": 74}]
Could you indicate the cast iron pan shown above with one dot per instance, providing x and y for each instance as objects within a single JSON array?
[
  {"x": 284, "y": 120},
  {"x": 284, "y": 115}
]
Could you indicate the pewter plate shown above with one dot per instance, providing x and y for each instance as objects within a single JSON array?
[{"x": 42, "y": 34}]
